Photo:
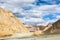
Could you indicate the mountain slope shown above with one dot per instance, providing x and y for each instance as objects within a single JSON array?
[{"x": 9, "y": 24}]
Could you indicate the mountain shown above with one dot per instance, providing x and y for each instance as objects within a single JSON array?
[
  {"x": 53, "y": 28},
  {"x": 9, "y": 24},
  {"x": 41, "y": 26}
]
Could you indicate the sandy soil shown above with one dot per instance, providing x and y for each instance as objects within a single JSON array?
[{"x": 42, "y": 37}]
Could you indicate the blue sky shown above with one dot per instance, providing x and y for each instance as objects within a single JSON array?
[{"x": 33, "y": 11}]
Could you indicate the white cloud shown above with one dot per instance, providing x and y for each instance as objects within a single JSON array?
[
  {"x": 35, "y": 20},
  {"x": 16, "y": 6},
  {"x": 43, "y": 11},
  {"x": 10, "y": 4},
  {"x": 58, "y": 17}
]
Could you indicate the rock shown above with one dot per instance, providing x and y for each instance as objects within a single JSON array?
[
  {"x": 9, "y": 24},
  {"x": 38, "y": 33},
  {"x": 30, "y": 27},
  {"x": 41, "y": 26},
  {"x": 52, "y": 28},
  {"x": 56, "y": 27}
]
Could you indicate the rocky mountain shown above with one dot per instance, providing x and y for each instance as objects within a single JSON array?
[
  {"x": 53, "y": 28},
  {"x": 9, "y": 24},
  {"x": 41, "y": 26}
]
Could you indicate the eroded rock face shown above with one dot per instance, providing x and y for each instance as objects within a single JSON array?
[
  {"x": 56, "y": 27},
  {"x": 9, "y": 24},
  {"x": 52, "y": 28}
]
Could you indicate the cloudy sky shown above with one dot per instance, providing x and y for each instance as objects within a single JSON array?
[{"x": 34, "y": 11}]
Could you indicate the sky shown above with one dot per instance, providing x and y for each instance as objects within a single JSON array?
[{"x": 34, "y": 11}]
